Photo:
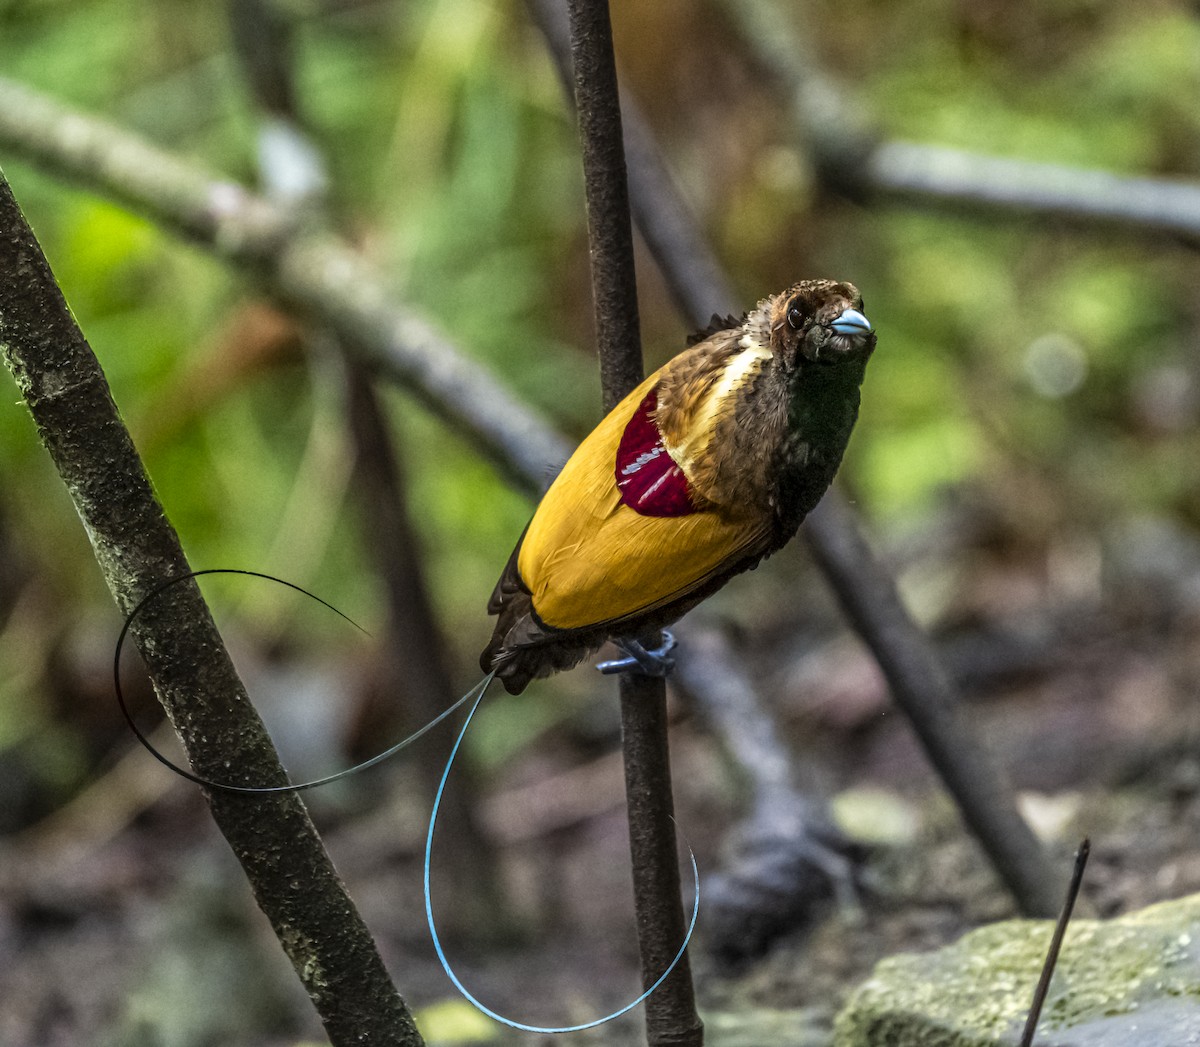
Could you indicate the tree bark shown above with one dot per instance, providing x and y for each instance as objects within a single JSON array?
[{"x": 291, "y": 875}]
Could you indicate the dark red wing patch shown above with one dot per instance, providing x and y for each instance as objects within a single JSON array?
[{"x": 649, "y": 480}]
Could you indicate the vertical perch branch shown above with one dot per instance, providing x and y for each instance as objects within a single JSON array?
[
  {"x": 865, "y": 590},
  {"x": 671, "y": 1017},
  {"x": 610, "y": 233},
  {"x": 293, "y": 879}
]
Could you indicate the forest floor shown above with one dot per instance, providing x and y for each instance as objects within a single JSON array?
[{"x": 123, "y": 919}]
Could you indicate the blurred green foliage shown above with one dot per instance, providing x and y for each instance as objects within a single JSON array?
[{"x": 1011, "y": 353}]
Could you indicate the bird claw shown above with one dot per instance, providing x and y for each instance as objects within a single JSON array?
[{"x": 655, "y": 662}]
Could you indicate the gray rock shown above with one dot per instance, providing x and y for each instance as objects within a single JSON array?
[{"x": 1128, "y": 982}]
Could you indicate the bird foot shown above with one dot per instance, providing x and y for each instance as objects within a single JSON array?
[{"x": 655, "y": 662}]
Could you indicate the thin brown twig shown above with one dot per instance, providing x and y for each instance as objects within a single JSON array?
[{"x": 671, "y": 1017}]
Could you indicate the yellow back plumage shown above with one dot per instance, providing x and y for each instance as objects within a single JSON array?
[{"x": 589, "y": 559}]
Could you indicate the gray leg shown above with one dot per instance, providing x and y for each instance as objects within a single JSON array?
[{"x": 655, "y": 662}]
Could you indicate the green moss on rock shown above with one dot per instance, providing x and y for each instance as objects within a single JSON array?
[{"x": 1116, "y": 980}]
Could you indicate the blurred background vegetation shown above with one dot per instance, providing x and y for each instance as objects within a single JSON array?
[{"x": 1037, "y": 380}]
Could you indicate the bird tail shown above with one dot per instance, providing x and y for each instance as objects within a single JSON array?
[{"x": 523, "y": 649}]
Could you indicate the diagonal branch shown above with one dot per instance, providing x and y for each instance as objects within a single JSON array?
[
  {"x": 850, "y": 157},
  {"x": 864, "y": 588},
  {"x": 293, "y": 878},
  {"x": 315, "y": 273},
  {"x": 922, "y": 688},
  {"x": 697, "y": 284}
]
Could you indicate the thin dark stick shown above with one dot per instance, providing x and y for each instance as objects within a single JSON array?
[
  {"x": 863, "y": 586},
  {"x": 1060, "y": 928},
  {"x": 922, "y": 689},
  {"x": 293, "y": 879},
  {"x": 671, "y": 1017}
]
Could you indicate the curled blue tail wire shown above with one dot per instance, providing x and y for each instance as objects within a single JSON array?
[{"x": 437, "y": 944}]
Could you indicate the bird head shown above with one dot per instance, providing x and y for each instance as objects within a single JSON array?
[{"x": 819, "y": 321}]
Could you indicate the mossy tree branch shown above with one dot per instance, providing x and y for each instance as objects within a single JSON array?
[{"x": 137, "y": 550}]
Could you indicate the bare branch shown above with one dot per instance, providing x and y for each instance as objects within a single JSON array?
[
  {"x": 851, "y": 157},
  {"x": 922, "y": 688},
  {"x": 935, "y": 176},
  {"x": 312, "y": 272},
  {"x": 610, "y": 234}
]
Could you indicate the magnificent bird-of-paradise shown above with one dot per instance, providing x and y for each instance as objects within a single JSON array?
[{"x": 703, "y": 470}]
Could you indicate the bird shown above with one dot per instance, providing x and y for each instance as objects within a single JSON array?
[{"x": 706, "y": 468}]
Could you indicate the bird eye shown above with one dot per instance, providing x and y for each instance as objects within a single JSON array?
[{"x": 795, "y": 318}]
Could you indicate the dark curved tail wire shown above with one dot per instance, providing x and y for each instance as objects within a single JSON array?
[{"x": 209, "y": 783}]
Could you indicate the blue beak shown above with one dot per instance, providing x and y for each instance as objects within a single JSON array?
[{"x": 851, "y": 322}]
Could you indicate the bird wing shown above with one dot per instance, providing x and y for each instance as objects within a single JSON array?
[{"x": 599, "y": 550}]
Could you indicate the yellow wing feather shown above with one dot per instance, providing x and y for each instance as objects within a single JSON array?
[{"x": 588, "y": 559}]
